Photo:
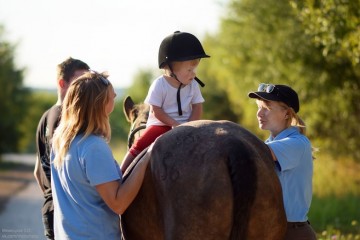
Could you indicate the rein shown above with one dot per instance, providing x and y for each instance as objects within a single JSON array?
[{"x": 134, "y": 130}]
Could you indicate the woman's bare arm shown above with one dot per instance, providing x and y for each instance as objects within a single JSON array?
[{"x": 118, "y": 196}]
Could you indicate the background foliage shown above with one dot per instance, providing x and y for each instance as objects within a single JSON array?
[{"x": 13, "y": 98}]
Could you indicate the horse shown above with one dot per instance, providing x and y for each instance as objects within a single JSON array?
[{"x": 206, "y": 179}]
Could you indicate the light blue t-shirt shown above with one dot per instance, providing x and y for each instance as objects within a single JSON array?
[
  {"x": 79, "y": 210},
  {"x": 295, "y": 170}
]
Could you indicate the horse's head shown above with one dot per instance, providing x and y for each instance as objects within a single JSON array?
[{"x": 136, "y": 115}]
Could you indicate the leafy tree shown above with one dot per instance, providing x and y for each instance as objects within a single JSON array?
[
  {"x": 141, "y": 83},
  {"x": 279, "y": 42},
  {"x": 39, "y": 102},
  {"x": 13, "y": 98},
  {"x": 217, "y": 105},
  {"x": 258, "y": 41},
  {"x": 333, "y": 27}
]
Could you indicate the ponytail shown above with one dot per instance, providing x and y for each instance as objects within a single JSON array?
[{"x": 296, "y": 121}]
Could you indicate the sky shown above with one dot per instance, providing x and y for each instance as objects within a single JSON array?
[{"x": 118, "y": 36}]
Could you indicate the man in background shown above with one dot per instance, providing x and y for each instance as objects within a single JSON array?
[{"x": 67, "y": 71}]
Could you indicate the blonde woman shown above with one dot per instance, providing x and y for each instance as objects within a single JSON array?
[
  {"x": 86, "y": 179},
  {"x": 278, "y": 106}
]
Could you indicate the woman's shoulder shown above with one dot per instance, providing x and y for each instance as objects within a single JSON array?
[
  {"x": 298, "y": 139},
  {"x": 290, "y": 136},
  {"x": 91, "y": 144},
  {"x": 90, "y": 140}
]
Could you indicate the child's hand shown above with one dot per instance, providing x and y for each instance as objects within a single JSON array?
[{"x": 175, "y": 125}]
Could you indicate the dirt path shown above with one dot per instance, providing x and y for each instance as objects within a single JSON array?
[
  {"x": 13, "y": 179},
  {"x": 20, "y": 203}
]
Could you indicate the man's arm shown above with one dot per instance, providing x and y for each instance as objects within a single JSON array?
[{"x": 37, "y": 174}]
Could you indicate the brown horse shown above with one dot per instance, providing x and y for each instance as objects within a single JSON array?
[{"x": 207, "y": 180}]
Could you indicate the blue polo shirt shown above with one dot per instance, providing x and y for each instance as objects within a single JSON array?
[
  {"x": 80, "y": 212},
  {"x": 295, "y": 170}
]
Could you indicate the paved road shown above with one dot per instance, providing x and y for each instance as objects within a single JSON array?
[
  {"x": 21, "y": 218},
  {"x": 28, "y": 159}
]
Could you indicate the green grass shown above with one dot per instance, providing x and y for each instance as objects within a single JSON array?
[
  {"x": 341, "y": 213},
  {"x": 335, "y": 209}
]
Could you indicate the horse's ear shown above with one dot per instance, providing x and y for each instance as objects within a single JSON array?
[{"x": 128, "y": 106}]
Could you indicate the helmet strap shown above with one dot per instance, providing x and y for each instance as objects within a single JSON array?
[
  {"x": 200, "y": 82},
  {"x": 178, "y": 99}
]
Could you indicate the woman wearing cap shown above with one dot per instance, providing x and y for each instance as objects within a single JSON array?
[
  {"x": 292, "y": 152},
  {"x": 174, "y": 97}
]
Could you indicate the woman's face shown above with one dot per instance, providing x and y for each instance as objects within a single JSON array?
[
  {"x": 272, "y": 116},
  {"x": 186, "y": 70},
  {"x": 110, "y": 105}
]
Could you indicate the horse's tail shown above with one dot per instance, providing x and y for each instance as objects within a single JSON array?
[{"x": 243, "y": 174}]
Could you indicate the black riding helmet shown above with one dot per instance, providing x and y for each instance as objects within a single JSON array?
[{"x": 180, "y": 46}]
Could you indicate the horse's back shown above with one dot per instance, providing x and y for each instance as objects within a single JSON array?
[{"x": 209, "y": 180}]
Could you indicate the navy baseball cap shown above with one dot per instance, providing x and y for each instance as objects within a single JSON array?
[{"x": 278, "y": 93}]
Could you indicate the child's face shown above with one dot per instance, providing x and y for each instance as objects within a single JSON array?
[{"x": 186, "y": 70}]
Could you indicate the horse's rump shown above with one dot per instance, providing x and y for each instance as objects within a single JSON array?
[{"x": 207, "y": 180}]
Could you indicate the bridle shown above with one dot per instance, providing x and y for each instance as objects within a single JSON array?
[{"x": 133, "y": 130}]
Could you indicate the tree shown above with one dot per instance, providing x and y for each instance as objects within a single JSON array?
[
  {"x": 278, "y": 42},
  {"x": 333, "y": 27},
  {"x": 39, "y": 102},
  {"x": 258, "y": 41},
  {"x": 141, "y": 83},
  {"x": 217, "y": 105},
  {"x": 13, "y": 98}
]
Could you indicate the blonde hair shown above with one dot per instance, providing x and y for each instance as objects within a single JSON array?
[
  {"x": 295, "y": 120},
  {"x": 83, "y": 112}
]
